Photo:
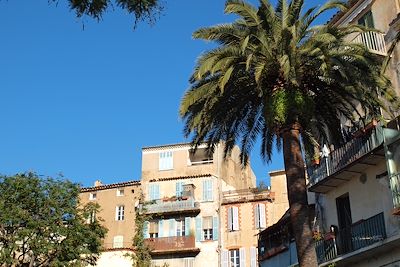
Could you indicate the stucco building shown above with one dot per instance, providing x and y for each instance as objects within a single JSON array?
[
  {"x": 118, "y": 202},
  {"x": 183, "y": 194}
]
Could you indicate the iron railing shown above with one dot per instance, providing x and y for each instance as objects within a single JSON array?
[
  {"x": 374, "y": 41},
  {"x": 161, "y": 206},
  {"x": 245, "y": 195},
  {"x": 171, "y": 243},
  {"x": 361, "y": 234},
  {"x": 345, "y": 155}
]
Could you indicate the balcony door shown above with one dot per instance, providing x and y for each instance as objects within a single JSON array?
[{"x": 343, "y": 237}]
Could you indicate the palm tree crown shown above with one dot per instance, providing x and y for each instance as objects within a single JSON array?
[{"x": 271, "y": 69}]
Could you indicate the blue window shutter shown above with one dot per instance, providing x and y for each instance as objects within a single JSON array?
[
  {"x": 187, "y": 226},
  {"x": 199, "y": 236},
  {"x": 204, "y": 190},
  {"x": 210, "y": 190},
  {"x": 179, "y": 189},
  {"x": 160, "y": 228},
  {"x": 151, "y": 192},
  {"x": 215, "y": 228},
  {"x": 156, "y": 191},
  {"x": 172, "y": 227},
  {"x": 146, "y": 229}
]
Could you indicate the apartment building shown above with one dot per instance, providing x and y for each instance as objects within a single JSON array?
[
  {"x": 246, "y": 212},
  {"x": 183, "y": 194},
  {"x": 118, "y": 202}
]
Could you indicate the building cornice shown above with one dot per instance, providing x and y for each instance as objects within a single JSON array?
[
  {"x": 110, "y": 186},
  {"x": 161, "y": 179}
]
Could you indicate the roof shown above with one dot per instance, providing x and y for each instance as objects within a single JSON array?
[
  {"x": 166, "y": 146},
  {"x": 110, "y": 186},
  {"x": 180, "y": 177},
  {"x": 277, "y": 172},
  {"x": 339, "y": 14}
]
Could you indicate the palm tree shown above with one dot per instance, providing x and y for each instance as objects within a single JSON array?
[{"x": 276, "y": 77}]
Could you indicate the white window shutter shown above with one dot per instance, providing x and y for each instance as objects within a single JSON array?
[
  {"x": 230, "y": 219},
  {"x": 242, "y": 255},
  {"x": 253, "y": 257},
  {"x": 263, "y": 219},
  {"x": 116, "y": 213},
  {"x": 256, "y": 216},
  {"x": 235, "y": 218},
  {"x": 118, "y": 241},
  {"x": 160, "y": 228},
  {"x": 224, "y": 258}
]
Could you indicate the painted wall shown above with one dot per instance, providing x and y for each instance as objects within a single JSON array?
[
  {"x": 108, "y": 200},
  {"x": 114, "y": 258}
]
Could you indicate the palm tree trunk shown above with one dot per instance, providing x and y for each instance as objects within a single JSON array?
[{"x": 297, "y": 195}]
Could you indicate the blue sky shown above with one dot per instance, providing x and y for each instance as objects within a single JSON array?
[{"x": 83, "y": 102}]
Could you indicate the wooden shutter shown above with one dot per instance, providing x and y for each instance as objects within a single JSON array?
[
  {"x": 187, "y": 226},
  {"x": 179, "y": 189},
  {"x": 263, "y": 219},
  {"x": 210, "y": 190},
  {"x": 199, "y": 234},
  {"x": 256, "y": 217},
  {"x": 146, "y": 229},
  {"x": 230, "y": 228},
  {"x": 215, "y": 228},
  {"x": 235, "y": 220},
  {"x": 224, "y": 258},
  {"x": 253, "y": 257},
  {"x": 204, "y": 190},
  {"x": 172, "y": 227},
  {"x": 160, "y": 228},
  {"x": 242, "y": 256}
]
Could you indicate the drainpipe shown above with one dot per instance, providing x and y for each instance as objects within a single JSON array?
[{"x": 219, "y": 208}]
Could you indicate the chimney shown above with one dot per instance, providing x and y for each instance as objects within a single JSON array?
[{"x": 98, "y": 183}]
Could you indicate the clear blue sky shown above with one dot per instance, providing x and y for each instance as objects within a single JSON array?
[{"x": 84, "y": 102}]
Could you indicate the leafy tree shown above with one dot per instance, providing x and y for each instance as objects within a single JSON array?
[
  {"x": 141, "y": 257},
  {"x": 276, "y": 77},
  {"x": 42, "y": 223}
]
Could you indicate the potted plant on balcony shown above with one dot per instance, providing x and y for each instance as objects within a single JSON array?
[{"x": 316, "y": 159}]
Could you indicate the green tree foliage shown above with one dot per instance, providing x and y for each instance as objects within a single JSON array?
[
  {"x": 142, "y": 10},
  {"x": 276, "y": 77},
  {"x": 43, "y": 224},
  {"x": 141, "y": 257}
]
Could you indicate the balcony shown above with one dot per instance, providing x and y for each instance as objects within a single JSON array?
[
  {"x": 246, "y": 195},
  {"x": 346, "y": 161},
  {"x": 374, "y": 41},
  {"x": 162, "y": 207},
  {"x": 360, "y": 235},
  {"x": 172, "y": 245}
]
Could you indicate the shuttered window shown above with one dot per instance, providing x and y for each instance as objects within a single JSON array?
[
  {"x": 233, "y": 218},
  {"x": 153, "y": 229},
  {"x": 165, "y": 161},
  {"x": 207, "y": 190},
  {"x": 154, "y": 191},
  {"x": 179, "y": 189},
  {"x": 253, "y": 257},
  {"x": 120, "y": 213},
  {"x": 260, "y": 220},
  {"x": 118, "y": 241}
]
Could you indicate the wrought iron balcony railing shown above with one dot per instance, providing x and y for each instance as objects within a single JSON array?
[
  {"x": 344, "y": 155},
  {"x": 361, "y": 234},
  {"x": 177, "y": 206}
]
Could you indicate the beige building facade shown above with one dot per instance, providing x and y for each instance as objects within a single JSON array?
[
  {"x": 117, "y": 210},
  {"x": 183, "y": 192}
]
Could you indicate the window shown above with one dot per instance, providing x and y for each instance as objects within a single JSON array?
[
  {"x": 165, "y": 161},
  {"x": 93, "y": 196},
  {"x": 234, "y": 258},
  {"x": 91, "y": 218},
  {"x": 118, "y": 241},
  {"x": 120, "y": 192},
  {"x": 259, "y": 216},
  {"x": 154, "y": 191},
  {"x": 367, "y": 20},
  {"x": 208, "y": 228},
  {"x": 233, "y": 218},
  {"x": 180, "y": 227},
  {"x": 179, "y": 189},
  {"x": 153, "y": 231},
  {"x": 207, "y": 190},
  {"x": 120, "y": 213}
]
